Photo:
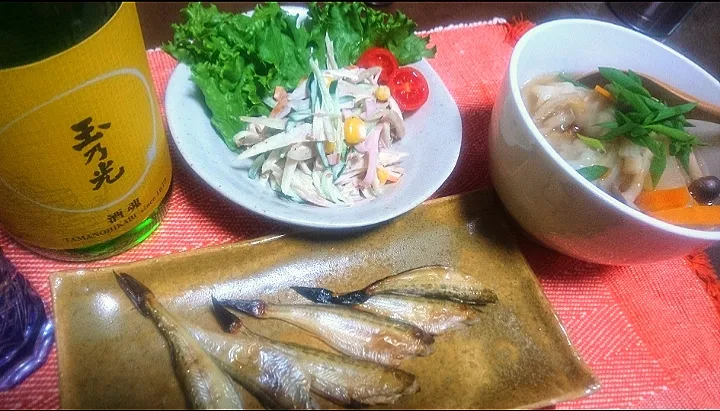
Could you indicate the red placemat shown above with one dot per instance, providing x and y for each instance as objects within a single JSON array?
[{"x": 650, "y": 333}]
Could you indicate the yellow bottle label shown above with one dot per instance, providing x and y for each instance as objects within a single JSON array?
[{"x": 83, "y": 152}]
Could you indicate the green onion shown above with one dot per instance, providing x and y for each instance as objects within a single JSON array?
[
  {"x": 636, "y": 117},
  {"x": 592, "y": 173},
  {"x": 643, "y": 119},
  {"x": 593, "y": 143},
  {"x": 669, "y": 112},
  {"x": 659, "y": 160},
  {"x": 632, "y": 99},
  {"x": 634, "y": 77},
  {"x": 653, "y": 103},
  {"x": 564, "y": 77},
  {"x": 649, "y": 118},
  {"x": 672, "y": 133},
  {"x": 681, "y": 151},
  {"x": 619, "y": 131},
  {"x": 616, "y": 76},
  {"x": 609, "y": 124}
]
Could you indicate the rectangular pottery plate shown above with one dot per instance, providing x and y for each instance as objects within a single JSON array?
[{"x": 516, "y": 356}]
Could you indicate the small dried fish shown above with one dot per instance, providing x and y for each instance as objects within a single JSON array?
[
  {"x": 276, "y": 379},
  {"x": 430, "y": 315},
  {"x": 360, "y": 335},
  {"x": 435, "y": 282},
  {"x": 204, "y": 383},
  {"x": 338, "y": 378}
]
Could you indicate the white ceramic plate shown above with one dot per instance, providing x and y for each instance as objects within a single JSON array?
[{"x": 432, "y": 140}]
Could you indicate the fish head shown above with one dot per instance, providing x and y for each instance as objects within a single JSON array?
[
  {"x": 139, "y": 294},
  {"x": 255, "y": 308},
  {"x": 229, "y": 322}
]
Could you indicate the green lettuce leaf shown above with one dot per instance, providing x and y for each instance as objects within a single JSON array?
[
  {"x": 355, "y": 27},
  {"x": 237, "y": 60}
]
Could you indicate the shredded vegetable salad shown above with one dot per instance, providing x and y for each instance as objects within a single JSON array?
[{"x": 327, "y": 142}]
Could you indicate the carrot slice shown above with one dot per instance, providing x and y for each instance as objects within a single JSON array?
[
  {"x": 705, "y": 216},
  {"x": 603, "y": 92},
  {"x": 658, "y": 200}
]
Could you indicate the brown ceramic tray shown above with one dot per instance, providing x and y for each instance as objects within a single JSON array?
[{"x": 517, "y": 356}]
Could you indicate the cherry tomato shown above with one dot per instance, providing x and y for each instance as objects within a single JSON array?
[
  {"x": 409, "y": 88},
  {"x": 379, "y": 57}
]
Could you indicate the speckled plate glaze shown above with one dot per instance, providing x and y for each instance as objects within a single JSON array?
[{"x": 517, "y": 356}]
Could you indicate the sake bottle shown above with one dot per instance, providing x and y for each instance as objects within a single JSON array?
[{"x": 85, "y": 167}]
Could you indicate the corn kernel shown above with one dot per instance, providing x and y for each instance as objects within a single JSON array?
[
  {"x": 355, "y": 130},
  {"x": 328, "y": 81},
  {"x": 329, "y": 147},
  {"x": 382, "y": 175},
  {"x": 382, "y": 93}
]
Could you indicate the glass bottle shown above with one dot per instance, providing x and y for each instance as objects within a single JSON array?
[
  {"x": 655, "y": 19},
  {"x": 85, "y": 167}
]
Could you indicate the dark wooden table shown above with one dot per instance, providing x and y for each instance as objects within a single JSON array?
[{"x": 698, "y": 37}]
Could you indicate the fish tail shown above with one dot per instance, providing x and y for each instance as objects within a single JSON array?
[
  {"x": 489, "y": 296},
  {"x": 138, "y": 293},
  {"x": 426, "y": 338},
  {"x": 353, "y": 298},
  {"x": 325, "y": 296},
  {"x": 316, "y": 295},
  {"x": 372, "y": 288},
  {"x": 413, "y": 387},
  {"x": 481, "y": 299},
  {"x": 354, "y": 404},
  {"x": 255, "y": 308},
  {"x": 229, "y": 322}
]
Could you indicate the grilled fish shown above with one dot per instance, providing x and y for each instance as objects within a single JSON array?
[
  {"x": 357, "y": 334},
  {"x": 277, "y": 380},
  {"x": 204, "y": 383},
  {"x": 435, "y": 282},
  {"x": 430, "y": 315},
  {"x": 338, "y": 378}
]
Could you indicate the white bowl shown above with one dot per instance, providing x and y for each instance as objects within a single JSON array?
[
  {"x": 432, "y": 141},
  {"x": 551, "y": 201}
]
